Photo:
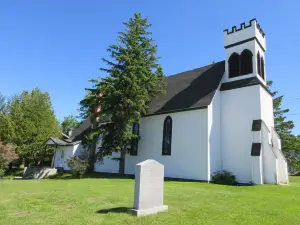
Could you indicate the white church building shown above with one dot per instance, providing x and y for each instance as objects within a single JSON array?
[{"x": 214, "y": 118}]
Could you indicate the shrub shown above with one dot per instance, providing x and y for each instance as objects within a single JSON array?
[
  {"x": 78, "y": 166},
  {"x": 224, "y": 177},
  {"x": 1, "y": 173},
  {"x": 60, "y": 170},
  {"x": 7, "y": 155}
]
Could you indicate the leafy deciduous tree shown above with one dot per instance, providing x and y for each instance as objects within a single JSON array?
[
  {"x": 2, "y": 103},
  {"x": 69, "y": 123},
  {"x": 7, "y": 155},
  {"x": 28, "y": 122}
]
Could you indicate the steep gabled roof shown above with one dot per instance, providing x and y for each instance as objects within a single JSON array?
[
  {"x": 189, "y": 90},
  {"x": 192, "y": 89},
  {"x": 82, "y": 130},
  {"x": 60, "y": 142},
  {"x": 76, "y": 136}
]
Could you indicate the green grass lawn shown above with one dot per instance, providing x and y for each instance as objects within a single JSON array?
[{"x": 77, "y": 202}]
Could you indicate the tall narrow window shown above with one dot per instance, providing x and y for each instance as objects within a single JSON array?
[
  {"x": 135, "y": 141},
  {"x": 262, "y": 65},
  {"x": 258, "y": 64},
  {"x": 234, "y": 65},
  {"x": 246, "y": 62},
  {"x": 167, "y": 136}
]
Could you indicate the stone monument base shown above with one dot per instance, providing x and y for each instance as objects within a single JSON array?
[{"x": 145, "y": 212}]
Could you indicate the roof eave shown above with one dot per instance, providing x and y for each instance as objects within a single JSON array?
[{"x": 175, "y": 111}]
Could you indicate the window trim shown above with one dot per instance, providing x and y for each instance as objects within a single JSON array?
[
  {"x": 258, "y": 62},
  {"x": 234, "y": 54},
  {"x": 169, "y": 150},
  {"x": 242, "y": 62},
  {"x": 135, "y": 143},
  {"x": 239, "y": 70},
  {"x": 262, "y": 67}
]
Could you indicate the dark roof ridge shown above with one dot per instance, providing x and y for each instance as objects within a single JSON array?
[{"x": 191, "y": 70}]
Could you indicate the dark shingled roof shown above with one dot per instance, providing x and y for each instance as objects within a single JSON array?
[
  {"x": 76, "y": 136},
  {"x": 61, "y": 142},
  {"x": 188, "y": 90},
  {"x": 83, "y": 129}
]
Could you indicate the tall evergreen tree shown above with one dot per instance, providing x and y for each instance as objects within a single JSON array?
[
  {"x": 134, "y": 78},
  {"x": 290, "y": 143}
]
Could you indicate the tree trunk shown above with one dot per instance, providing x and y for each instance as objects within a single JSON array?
[
  {"x": 91, "y": 159},
  {"x": 92, "y": 156},
  {"x": 122, "y": 163}
]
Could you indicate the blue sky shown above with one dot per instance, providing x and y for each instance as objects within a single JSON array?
[{"x": 58, "y": 45}]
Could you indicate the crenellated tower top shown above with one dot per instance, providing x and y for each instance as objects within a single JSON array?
[
  {"x": 245, "y": 52},
  {"x": 244, "y": 26},
  {"x": 245, "y": 33}
]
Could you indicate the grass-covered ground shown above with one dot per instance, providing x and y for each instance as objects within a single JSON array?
[{"x": 86, "y": 201}]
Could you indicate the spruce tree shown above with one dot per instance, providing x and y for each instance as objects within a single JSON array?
[
  {"x": 290, "y": 144},
  {"x": 134, "y": 79}
]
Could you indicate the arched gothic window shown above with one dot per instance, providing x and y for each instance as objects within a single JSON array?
[
  {"x": 234, "y": 65},
  {"x": 258, "y": 64},
  {"x": 246, "y": 62},
  {"x": 262, "y": 64},
  {"x": 135, "y": 141},
  {"x": 167, "y": 136}
]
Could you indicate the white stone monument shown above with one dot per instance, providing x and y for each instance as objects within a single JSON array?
[{"x": 149, "y": 188}]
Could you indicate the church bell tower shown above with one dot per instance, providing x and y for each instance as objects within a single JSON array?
[
  {"x": 245, "y": 48},
  {"x": 244, "y": 100}
]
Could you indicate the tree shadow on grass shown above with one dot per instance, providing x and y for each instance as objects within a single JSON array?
[
  {"x": 95, "y": 175},
  {"x": 14, "y": 172},
  {"x": 168, "y": 179},
  {"x": 108, "y": 175},
  {"x": 296, "y": 174},
  {"x": 113, "y": 210}
]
